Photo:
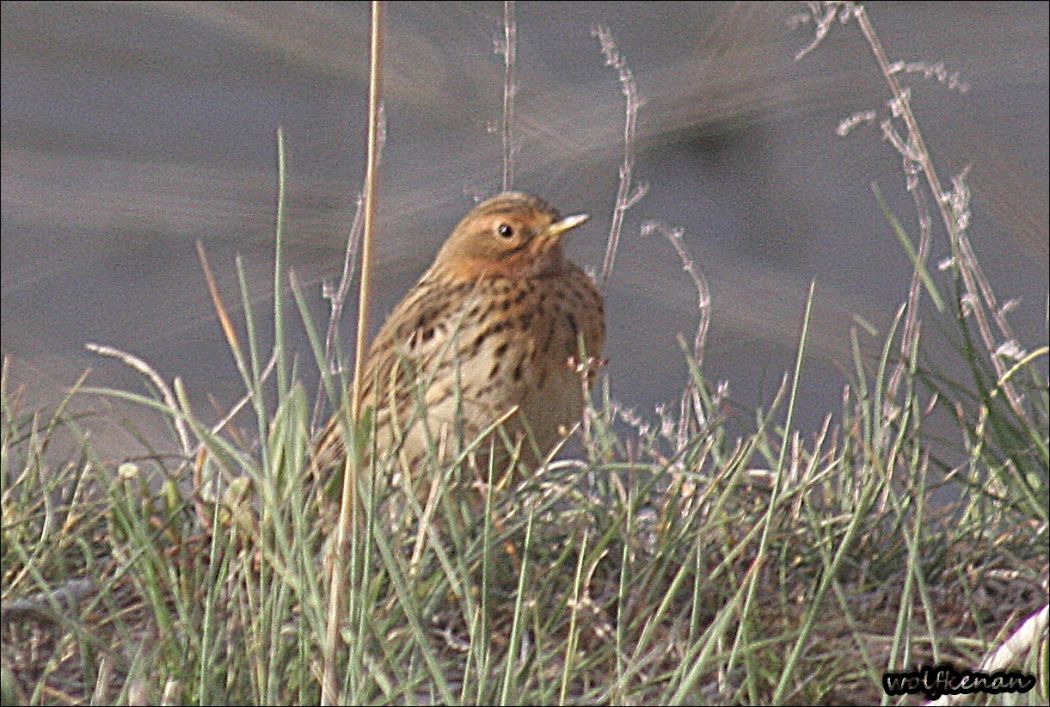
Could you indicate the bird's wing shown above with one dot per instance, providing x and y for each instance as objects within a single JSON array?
[{"x": 418, "y": 333}]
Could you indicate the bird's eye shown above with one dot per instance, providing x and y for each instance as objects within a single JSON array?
[{"x": 505, "y": 230}]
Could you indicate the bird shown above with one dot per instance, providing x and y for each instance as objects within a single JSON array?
[{"x": 501, "y": 336}]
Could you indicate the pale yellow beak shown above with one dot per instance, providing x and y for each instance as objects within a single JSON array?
[{"x": 566, "y": 224}]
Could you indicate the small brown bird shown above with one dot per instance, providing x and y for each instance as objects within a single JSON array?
[{"x": 494, "y": 329}]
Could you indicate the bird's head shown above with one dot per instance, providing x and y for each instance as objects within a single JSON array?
[{"x": 510, "y": 235}]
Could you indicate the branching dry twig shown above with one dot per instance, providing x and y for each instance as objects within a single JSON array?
[
  {"x": 952, "y": 205},
  {"x": 703, "y": 303},
  {"x": 628, "y": 193},
  {"x": 337, "y": 299}
]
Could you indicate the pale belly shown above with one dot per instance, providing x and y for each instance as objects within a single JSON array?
[{"x": 523, "y": 376}]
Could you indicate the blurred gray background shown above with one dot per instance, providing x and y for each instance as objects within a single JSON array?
[{"x": 133, "y": 130}]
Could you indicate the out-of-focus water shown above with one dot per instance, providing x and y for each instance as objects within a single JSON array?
[{"x": 131, "y": 131}]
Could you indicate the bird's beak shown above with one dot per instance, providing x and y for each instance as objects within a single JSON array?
[
  {"x": 550, "y": 237},
  {"x": 568, "y": 223}
]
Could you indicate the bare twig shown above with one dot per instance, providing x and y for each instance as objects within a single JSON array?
[
  {"x": 627, "y": 194},
  {"x": 703, "y": 303},
  {"x": 953, "y": 205},
  {"x": 821, "y": 16},
  {"x": 137, "y": 364},
  {"x": 911, "y": 316},
  {"x": 337, "y": 297},
  {"x": 245, "y": 399},
  {"x": 207, "y": 490},
  {"x": 953, "y": 209},
  {"x": 508, "y": 49}
]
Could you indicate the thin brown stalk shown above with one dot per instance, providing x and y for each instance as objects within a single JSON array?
[
  {"x": 329, "y": 687},
  {"x": 216, "y": 298},
  {"x": 375, "y": 78}
]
